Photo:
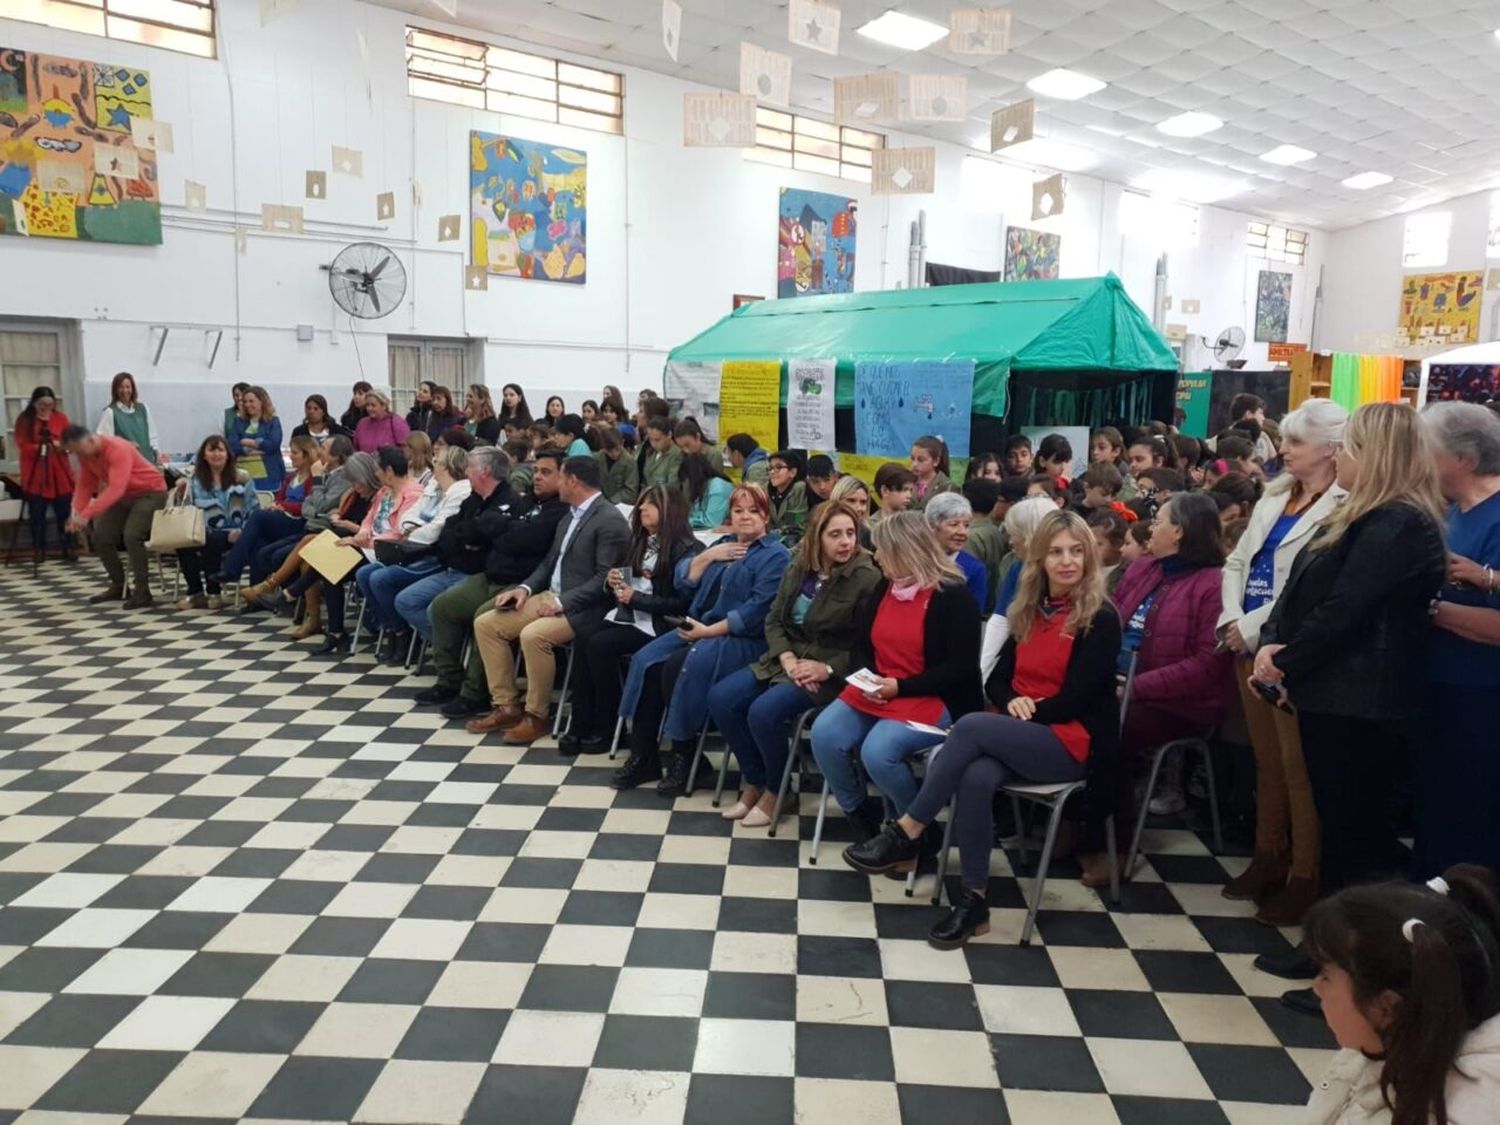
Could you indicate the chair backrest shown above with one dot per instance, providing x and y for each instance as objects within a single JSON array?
[{"x": 1128, "y": 684}]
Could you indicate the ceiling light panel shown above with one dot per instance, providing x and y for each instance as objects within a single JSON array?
[
  {"x": 1191, "y": 124},
  {"x": 1065, "y": 85},
  {"x": 905, "y": 33},
  {"x": 1286, "y": 155},
  {"x": 1364, "y": 181}
]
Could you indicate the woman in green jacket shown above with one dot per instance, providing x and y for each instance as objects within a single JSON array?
[
  {"x": 929, "y": 464},
  {"x": 622, "y": 480},
  {"x": 662, "y": 456},
  {"x": 809, "y": 633}
]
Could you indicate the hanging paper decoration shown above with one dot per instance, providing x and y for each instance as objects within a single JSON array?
[
  {"x": 903, "y": 171},
  {"x": 814, "y": 24},
  {"x": 765, "y": 75},
  {"x": 865, "y": 99},
  {"x": 1048, "y": 197},
  {"x": 718, "y": 120},
  {"x": 939, "y": 97},
  {"x": 979, "y": 31},
  {"x": 671, "y": 26},
  {"x": 1012, "y": 125}
]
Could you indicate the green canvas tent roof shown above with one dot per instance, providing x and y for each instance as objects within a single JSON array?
[{"x": 1083, "y": 324}]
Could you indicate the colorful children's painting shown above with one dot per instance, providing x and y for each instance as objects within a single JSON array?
[
  {"x": 1031, "y": 255},
  {"x": 815, "y": 249},
  {"x": 1273, "y": 306},
  {"x": 69, "y": 165},
  {"x": 1441, "y": 307},
  {"x": 530, "y": 208}
]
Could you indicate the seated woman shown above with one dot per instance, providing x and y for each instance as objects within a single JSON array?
[
  {"x": 788, "y": 493},
  {"x": 330, "y": 483},
  {"x": 1021, "y": 522},
  {"x": 733, "y": 584},
  {"x": 917, "y": 637},
  {"x": 854, "y": 494},
  {"x": 418, "y": 449},
  {"x": 316, "y": 423},
  {"x": 1055, "y": 687},
  {"x": 622, "y": 478},
  {"x": 689, "y": 437},
  {"x": 442, "y": 415},
  {"x": 949, "y": 515},
  {"x": 226, "y": 495},
  {"x": 479, "y": 414},
  {"x": 660, "y": 459},
  {"x": 570, "y": 427},
  {"x": 1169, "y": 605},
  {"x": 282, "y": 520},
  {"x": 255, "y": 437},
  {"x": 809, "y": 633},
  {"x": 362, "y": 475},
  {"x": 398, "y": 492},
  {"x": 707, "y": 490},
  {"x": 421, "y": 526},
  {"x": 646, "y": 592}
]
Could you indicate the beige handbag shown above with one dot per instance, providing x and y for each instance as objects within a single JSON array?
[{"x": 177, "y": 526}]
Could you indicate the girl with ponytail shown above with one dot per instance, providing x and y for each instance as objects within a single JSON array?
[{"x": 1409, "y": 978}]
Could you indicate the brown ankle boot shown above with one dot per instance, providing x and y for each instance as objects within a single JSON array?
[
  {"x": 1265, "y": 876},
  {"x": 312, "y": 615},
  {"x": 260, "y": 590},
  {"x": 1289, "y": 906}
]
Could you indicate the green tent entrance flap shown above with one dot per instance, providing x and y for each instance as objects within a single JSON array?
[{"x": 1073, "y": 325}]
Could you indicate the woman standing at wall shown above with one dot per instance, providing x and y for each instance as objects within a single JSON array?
[
  {"x": 255, "y": 437},
  {"x": 126, "y": 416}
]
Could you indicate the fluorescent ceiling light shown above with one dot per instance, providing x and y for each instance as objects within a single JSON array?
[
  {"x": 1192, "y": 124},
  {"x": 1195, "y": 187},
  {"x": 1067, "y": 85},
  {"x": 906, "y": 33},
  {"x": 1047, "y": 153},
  {"x": 1367, "y": 180},
  {"x": 1287, "y": 154}
]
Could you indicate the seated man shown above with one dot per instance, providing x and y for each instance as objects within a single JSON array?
[
  {"x": 519, "y": 540},
  {"x": 119, "y": 491},
  {"x": 461, "y": 545},
  {"x": 564, "y": 596}
]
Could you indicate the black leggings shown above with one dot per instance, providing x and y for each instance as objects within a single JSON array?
[
  {"x": 196, "y": 562},
  {"x": 656, "y": 693},
  {"x": 62, "y": 507},
  {"x": 1354, "y": 766},
  {"x": 598, "y": 661}
]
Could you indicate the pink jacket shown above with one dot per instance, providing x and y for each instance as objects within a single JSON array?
[
  {"x": 366, "y": 535},
  {"x": 1178, "y": 664}
]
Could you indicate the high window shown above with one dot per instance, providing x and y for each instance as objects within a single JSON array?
[
  {"x": 794, "y": 141},
  {"x": 1276, "y": 243},
  {"x": 177, "y": 25}
]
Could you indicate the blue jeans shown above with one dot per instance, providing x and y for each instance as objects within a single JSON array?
[
  {"x": 412, "y": 602},
  {"x": 883, "y": 746},
  {"x": 263, "y": 528},
  {"x": 755, "y": 717},
  {"x": 380, "y": 585}
]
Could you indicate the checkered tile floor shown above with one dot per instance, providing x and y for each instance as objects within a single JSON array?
[{"x": 240, "y": 883}]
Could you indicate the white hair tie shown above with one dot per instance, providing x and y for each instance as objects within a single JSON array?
[
  {"x": 1409, "y": 928},
  {"x": 1439, "y": 884}
]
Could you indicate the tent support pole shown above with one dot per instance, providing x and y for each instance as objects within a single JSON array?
[{"x": 1159, "y": 296}]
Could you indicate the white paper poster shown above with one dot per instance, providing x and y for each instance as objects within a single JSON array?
[
  {"x": 767, "y": 75},
  {"x": 809, "y": 403},
  {"x": 865, "y": 99},
  {"x": 693, "y": 390}
]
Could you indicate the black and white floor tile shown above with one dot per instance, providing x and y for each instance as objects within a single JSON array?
[{"x": 238, "y": 883}]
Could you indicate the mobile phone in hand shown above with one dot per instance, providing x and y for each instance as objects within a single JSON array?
[{"x": 673, "y": 622}]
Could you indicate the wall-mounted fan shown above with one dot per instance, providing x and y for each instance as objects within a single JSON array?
[
  {"x": 1229, "y": 344},
  {"x": 367, "y": 280}
]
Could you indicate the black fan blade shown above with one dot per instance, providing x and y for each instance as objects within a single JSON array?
[
  {"x": 383, "y": 263},
  {"x": 374, "y": 292}
]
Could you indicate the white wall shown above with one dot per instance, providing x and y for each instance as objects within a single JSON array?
[
  {"x": 673, "y": 232},
  {"x": 1362, "y": 290}
]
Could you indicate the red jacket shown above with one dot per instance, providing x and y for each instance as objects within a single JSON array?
[
  {"x": 45, "y": 469},
  {"x": 1178, "y": 665},
  {"x": 117, "y": 472}
]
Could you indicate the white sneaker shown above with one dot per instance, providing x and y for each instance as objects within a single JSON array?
[{"x": 215, "y": 602}]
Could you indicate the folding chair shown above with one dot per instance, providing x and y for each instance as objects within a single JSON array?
[
  {"x": 919, "y": 758},
  {"x": 1200, "y": 744},
  {"x": 560, "y": 728},
  {"x": 793, "y": 764}
]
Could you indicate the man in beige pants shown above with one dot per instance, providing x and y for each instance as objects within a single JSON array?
[{"x": 562, "y": 594}]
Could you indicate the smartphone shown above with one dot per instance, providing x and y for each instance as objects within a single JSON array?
[
  {"x": 1270, "y": 693},
  {"x": 674, "y": 622}
]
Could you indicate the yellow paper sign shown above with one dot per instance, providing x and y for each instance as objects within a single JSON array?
[
  {"x": 863, "y": 466},
  {"x": 750, "y": 400}
]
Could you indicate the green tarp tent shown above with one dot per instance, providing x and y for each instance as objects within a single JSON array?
[{"x": 1075, "y": 351}]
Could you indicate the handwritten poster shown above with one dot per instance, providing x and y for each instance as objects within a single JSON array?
[
  {"x": 693, "y": 391},
  {"x": 864, "y": 466},
  {"x": 809, "y": 403},
  {"x": 750, "y": 400},
  {"x": 896, "y": 403}
]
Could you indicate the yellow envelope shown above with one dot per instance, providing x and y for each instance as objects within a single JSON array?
[{"x": 329, "y": 559}]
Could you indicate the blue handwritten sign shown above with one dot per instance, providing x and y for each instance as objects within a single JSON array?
[{"x": 896, "y": 403}]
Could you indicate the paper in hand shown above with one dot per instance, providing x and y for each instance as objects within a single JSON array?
[{"x": 864, "y": 680}]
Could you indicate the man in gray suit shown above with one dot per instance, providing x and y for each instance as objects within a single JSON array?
[{"x": 566, "y": 589}]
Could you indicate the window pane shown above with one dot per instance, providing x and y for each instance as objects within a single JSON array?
[
  {"x": 773, "y": 138},
  {"x": 68, "y": 17},
  {"x": 852, "y": 172},
  {"x": 772, "y": 119},
  {"x": 443, "y": 92},
  {"x": 445, "y": 44},
  {"x": 452, "y": 70},
  {"x": 817, "y": 147},
  {"x": 589, "y": 99},
  {"x": 585, "y": 120},
  {"x": 28, "y": 347},
  {"x": 860, "y": 137},
  {"x": 816, "y": 164},
  {"x": 524, "y": 107},
  {"x": 153, "y": 36},
  {"x": 764, "y": 155},
  {"x": 859, "y": 156},
  {"x": 811, "y": 128},
  {"x": 587, "y": 76},
  {"x": 525, "y": 85},
  {"x": 193, "y": 17},
  {"x": 526, "y": 64}
]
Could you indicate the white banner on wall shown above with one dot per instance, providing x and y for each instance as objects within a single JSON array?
[
  {"x": 809, "y": 403},
  {"x": 693, "y": 390}
]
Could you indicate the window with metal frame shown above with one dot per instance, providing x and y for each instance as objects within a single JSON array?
[
  {"x": 414, "y": 359},
  {"x": 808, "y": 145},
  {"x": 479, "y": 75},
  {"x": 1276, "y": 243},
  {"x": 177, "y": 25},
  {"x": 1425, "y": 238}
]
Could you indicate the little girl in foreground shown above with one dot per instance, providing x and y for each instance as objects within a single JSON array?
[{"x": 1409, "y": 977}]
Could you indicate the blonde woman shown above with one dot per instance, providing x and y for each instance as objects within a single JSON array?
[
  {"x": 255, "y": 437},
  {"x": 1347, "y": 642},
  {"x": 1055, "y": 683},
  {"x": 479, "y": 414},
  {"x": 1283, "y": 877},
  {"x": 917, "y": 639},
  {"x": 418, "y": 448}
]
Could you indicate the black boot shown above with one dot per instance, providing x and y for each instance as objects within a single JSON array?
[
  {"x": 891, "y": 850},
  {"x": 1303, "y": 1000},
  {"x": 969, "y": 917},
  {"x": 336, "y": 644},
  {"x": 1294, "y": 964},
  {"x": 398, "y": 645},
  {"x": 638, "y": 770},
  {"x": 929, "y": 844},
  {"x": 674, "y": 779},
  {"x": 866, "y": 820}
]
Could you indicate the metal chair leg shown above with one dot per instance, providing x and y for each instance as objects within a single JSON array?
[
  {"x": 817, "y": 840},
  {"x": 723, "y": 773},
  {"x": 558, "y": 726},
  {"x": 1114, "y": 864},
  {"x": 359, "y": 624},
  {"x": 1140, "y": 820},
  {"x": 1213, "y": 796},
  {"x": 942, "y": 871},
  {"x": 614, "y": 743},
  {"x": 793, "y": 762},
  {"x": 1043, "y": 865},
  {"x": 1020, "y": 819},
  {"x": 692, "y": 777}
]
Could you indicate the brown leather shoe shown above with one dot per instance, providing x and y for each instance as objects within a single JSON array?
[
  {"x": 1290, "y": 906},
  {"x": 498, "y": 719},
  {"x": 528, "y": 730},
  {"x": 1265, "y": 877}
]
